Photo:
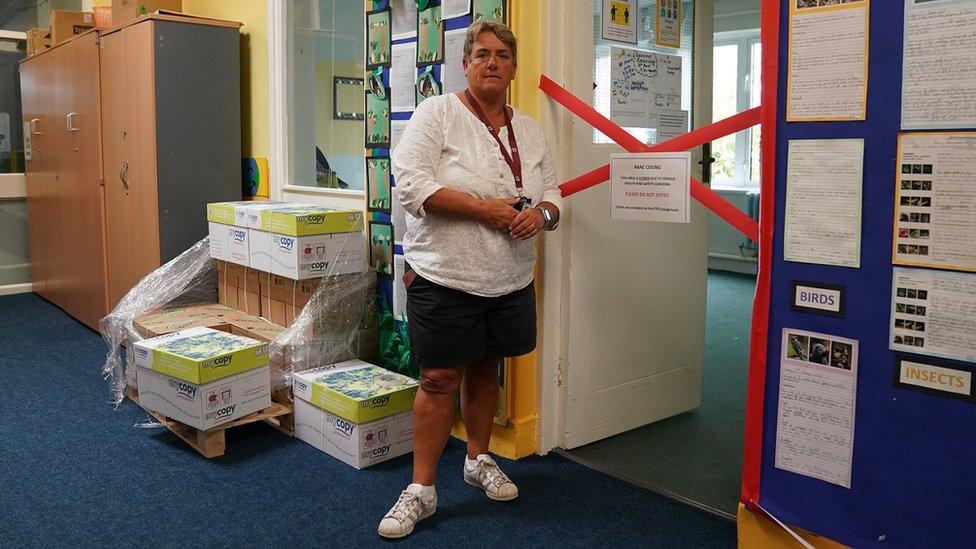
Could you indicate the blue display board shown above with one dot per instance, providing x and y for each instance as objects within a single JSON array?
[{"x": 914, "y": 459}]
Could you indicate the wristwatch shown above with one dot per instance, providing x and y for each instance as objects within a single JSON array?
[{"x": 550, "y": 222}]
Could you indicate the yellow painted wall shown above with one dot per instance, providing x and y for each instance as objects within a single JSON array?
[{"x": 255, "y": 105}]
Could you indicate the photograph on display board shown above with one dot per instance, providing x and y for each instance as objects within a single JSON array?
[
  {"x": 378, "y": 183},
  {"x": 427, "y": 86},
  {"x": 378, "y": 119},
  {"x": 430, "y": 36},
  {"x": 381, "y": 247},
  {"x": 378, "y": 39},
  {"x": 489, "y": 9}
]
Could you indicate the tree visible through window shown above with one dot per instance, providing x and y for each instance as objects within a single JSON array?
[{"x": 735, "y": 88}]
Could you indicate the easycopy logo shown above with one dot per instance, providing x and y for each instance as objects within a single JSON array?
[
  {"x": 238, "y": 235},
  {"x": 285, "y": 243},
  {"x": 342, "y": 427},
  {"x": 222, "y": 413},
  {"x": 376, "y": 452},
  {"x": 183, "y": 390}
]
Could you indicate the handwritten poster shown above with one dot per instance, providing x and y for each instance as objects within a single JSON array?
[
  {"x": 667, "y": 23},
  {"x": 643, "y": 84},
  {"x": 939, "y": 68},
  {"x": 452, "y": 71},
  {"x": 934, "y": 313},
  {"x": 827, "y": 83},
  {"x": 620, "y": 21},
  {"x": 402, "y": 74},
  {"x": 815, "y": 419},
  {"x": 404, "y": 14},
  {"x": 935, "y": 200},
  {"x": 824, "y": 183}
]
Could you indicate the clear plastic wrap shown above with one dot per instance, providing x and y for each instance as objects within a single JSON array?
[{"x": 338, "y": 323}]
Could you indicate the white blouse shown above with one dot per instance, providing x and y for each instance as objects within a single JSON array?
[{"x": 446, "y": 145}]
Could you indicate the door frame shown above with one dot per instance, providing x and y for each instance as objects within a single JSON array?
[{"x": 557, "y": 64}]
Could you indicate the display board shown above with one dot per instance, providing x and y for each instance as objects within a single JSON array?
[
  {"x": 906, "y": 476},
  {"x": 413, "y": 52}
]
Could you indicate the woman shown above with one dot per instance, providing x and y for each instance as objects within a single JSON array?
[{"x": 478, "y": 183}]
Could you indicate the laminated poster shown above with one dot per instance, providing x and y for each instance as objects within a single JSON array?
[
  {"x": 620, "y": 21},
  {"x": 815, "y": 418},
  {"x": 932, "y": 313},
  {"x": 643, "y": 84},
  {"x": 378, "y": 118},
  {"x": 667, "y": 23},
  {"x": 381, "y": 247},
  {"x": 935, "y": 201},
  {"x": 939, "y": 68},
  {"x": 824, "y": 183},
  {"x": 402, "y": 75},
  {"x": 452, "y": 71},
  {"x": 827, "y": 83}
]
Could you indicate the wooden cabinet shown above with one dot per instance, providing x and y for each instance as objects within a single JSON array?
[
  {"x": 65, "y": 209},
  {"x": 133, "y": 132},
  {"x": 172, "y": 139}
]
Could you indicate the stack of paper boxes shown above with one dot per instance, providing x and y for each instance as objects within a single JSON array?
[
  {"x": 203, "y": 377},
  {"x": 356, "y": 412},
  {"x": 271, "y": 255}
]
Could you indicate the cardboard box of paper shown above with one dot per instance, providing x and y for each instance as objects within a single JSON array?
[
  {"x": 124, "y": 11},
  {"x": 357, "y": 391},
  {"x": 200, "y": 355},
  {"x": 65, "y": 24},
  {"x": 311, "y": 242},
  {"x": 258, "y": 219},
  {"x": 205, "y": 405},
  {"x": 228, "y": 231},
  {"x": 359, "y": 445}
]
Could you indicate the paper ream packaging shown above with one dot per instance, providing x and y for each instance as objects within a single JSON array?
[
  {"x": 200, "y": 355},
  {"x": 208, "y": 405},
  {"x": 356, "y": 391},
  {"x": 358, "y": 445},
  {"x": 303, "y": 257}
]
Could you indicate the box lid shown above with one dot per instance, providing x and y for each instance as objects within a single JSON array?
[
  {"x": 313, "y": 220},
  {"x": 225, "y": 212},
  {"x": 252, "y": 212},
  {"x": 356, "y": 390},
  {"x": 200, "y": 354}
]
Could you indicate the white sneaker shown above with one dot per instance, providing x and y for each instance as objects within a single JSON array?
[
  {"x": 485, "y": 474},
  {"x": 411, "y": 507}
]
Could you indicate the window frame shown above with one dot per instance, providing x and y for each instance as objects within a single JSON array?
[
  {"x": 13, "y": 185},
  {"x": 745, "y": 41},
  {"x": 279, "y": 67}
]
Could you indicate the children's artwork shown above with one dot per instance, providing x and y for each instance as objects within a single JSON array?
[
  {"x": 489, "y": 9},
  {"x": 427, "y": 85},
  {"x": 381, "y": 248},
  {"x": 378, "y": 183},
  {"x": 378, "y": 44},
  {"x": 378, "y": 119},
  {"x": 430, "y": 36}
]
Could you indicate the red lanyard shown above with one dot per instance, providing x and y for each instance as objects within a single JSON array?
[{"x": 514, "y": 161}]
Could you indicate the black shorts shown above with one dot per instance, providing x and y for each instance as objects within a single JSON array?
[{"x": 449, "y": 327}]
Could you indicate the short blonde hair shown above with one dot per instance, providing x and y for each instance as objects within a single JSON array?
[{"x": 501, "y": 30}]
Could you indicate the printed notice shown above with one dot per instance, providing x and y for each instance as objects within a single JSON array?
[
  {"x": 404, "y": 14},
  {"x": 455, "y": 8},
  {"x": 817, "y": 387},
  {"x": 398, "y": 216},
  {"x": 823, "y": 201},
  {"x": 827, "y": 82},
  {"x": 939, "y": 68},
  {"x": 399, "y": 289},
  {"x": 650, "y": 187},
  {"x": 452, "y": 71},
  {"x": 667, "y": 23},
  {"x": 403, "y": 72},
  {"x": 396, "y": 132},
  {"x": 671, "y": 124},
  {"x": 935, "y": 201},
  {"x": 620, "y": 21},
  {"x": 934, "y": 313},
  {"x": 643, "y": 84}
]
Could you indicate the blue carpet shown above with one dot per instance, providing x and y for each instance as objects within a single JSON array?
[{"x": 74, "y": 472}]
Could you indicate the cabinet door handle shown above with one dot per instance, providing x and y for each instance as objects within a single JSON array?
[
  {"x": 33, "y": 126},
  {"x": 124, "y": 174},
  {"x": 69, "y": 119}
]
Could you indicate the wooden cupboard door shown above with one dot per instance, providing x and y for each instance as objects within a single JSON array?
[
  {"x": 33, "y": 107},
  {"x": 129, "y": 157},
  {"x": 80, "y": 184}
]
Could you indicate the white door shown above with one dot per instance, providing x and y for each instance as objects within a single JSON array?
[{"x": 633, "y": 322}]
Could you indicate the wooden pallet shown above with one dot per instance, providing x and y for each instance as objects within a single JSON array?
[{"x": 212, "y": 442}]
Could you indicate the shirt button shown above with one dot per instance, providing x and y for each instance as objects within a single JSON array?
[{"x": 501, "y": 176}]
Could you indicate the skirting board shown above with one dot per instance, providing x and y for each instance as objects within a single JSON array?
[{"x": 10, "y": 289}]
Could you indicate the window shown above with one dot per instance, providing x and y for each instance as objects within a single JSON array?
[
  {"x": 12, "y": 51},
  {"x": 736, "y": 66},
  {"x": 325, "y": 57}
]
